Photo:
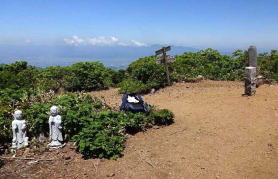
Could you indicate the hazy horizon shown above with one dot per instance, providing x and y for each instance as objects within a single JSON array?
[{"x": 62, "y": 32}]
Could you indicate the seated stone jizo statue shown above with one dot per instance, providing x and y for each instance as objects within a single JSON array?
[
  {"x": 55, "y": 128},
  {"x": 19, "y": 129}
]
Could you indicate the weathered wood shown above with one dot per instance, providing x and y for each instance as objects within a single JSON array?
[
  {"x": 250, "y": 81},
  {"x": 166, "y": 67},
  {"x": 164, "y": 60},
  {"x": 170, "y": 59},
  {"x": 252, "y": 53},
  {"x": 163, "y": 50}
]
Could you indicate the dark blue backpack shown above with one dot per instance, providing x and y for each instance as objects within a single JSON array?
[{"x": 134, "y": 107}]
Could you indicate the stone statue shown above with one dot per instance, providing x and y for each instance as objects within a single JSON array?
[
  {"x": 19, "y": 131},
  {"x": 55, "y": 127}
]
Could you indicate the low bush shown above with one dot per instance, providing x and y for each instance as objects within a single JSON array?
[
  {"x": 133, "y": 86},
  {"x": 104, "y": 134},
  {"x": 162, "y": 117},
  {"x": 143, "y": 75},
  {"x": 88, "y": 76}
]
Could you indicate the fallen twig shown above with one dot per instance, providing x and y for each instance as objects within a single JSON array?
[
  {"x": 178, "y": 131},
  {"x": 21, "y": 158},
  {"x": 149, "y": 163}
]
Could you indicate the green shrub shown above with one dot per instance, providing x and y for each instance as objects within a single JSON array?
[
  {"x": 103, "y": 135},
  {"x": 54, "y": 78},
  {"x": 117, "y": 76},
  {"x": 37, "y": 118},
  {"x": 100, "y": 140},
  {"x": 5, "y": 124},
  {"x": 210, "y": 64},
  {"x": 143, "y": 75},
  {"x": 162, "y": 117},
  {"x": 88, "y": 76},
  {"x": 268, "y": 65},
  {"x": 132, "y": 86}
]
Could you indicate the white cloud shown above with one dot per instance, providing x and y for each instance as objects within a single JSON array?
[
  {"x": 74, "y": 40},
  {"x": 102, "y": 41},
  {"x": 138, "y": 44}
]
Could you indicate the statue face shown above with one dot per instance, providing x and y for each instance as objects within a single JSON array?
[
  {"x": 54, "y": 110},
  {"x": 18, "y": 115}
]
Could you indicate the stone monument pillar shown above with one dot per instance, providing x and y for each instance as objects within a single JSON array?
[
  {"x": 252, "y": 54},
  {"x": 19, "y": 131},
  {"x": 55, "y": 129},
  {"x": 251, "y": 72}
]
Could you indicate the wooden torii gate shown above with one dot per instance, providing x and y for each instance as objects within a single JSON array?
[{"x": 164, "y": 59}]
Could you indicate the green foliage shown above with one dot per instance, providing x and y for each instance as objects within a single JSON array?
[
  {"x": 5, "y": 124},
  {"x": 102, "y": 137},
  {"x": 89, "y": 76},
  {"x": 268, "y": 64},
  {"x": 76, "y": 110},
  {"x": 132, "y": 86},
  {"x": 143, "y": 75},
  {"x": 117, "y": 76},
  {"x": 37, "y": 118},
  {"x": 162, "y": 117},
  {"x": 104, "y": 134},
  {"x": 53, "y": 78},
  {"x": 210, "y": 64}
]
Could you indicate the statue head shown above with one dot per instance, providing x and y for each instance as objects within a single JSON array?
[
  {"x": 54, "y": 110},
  {"x": 18, "y": 114}
]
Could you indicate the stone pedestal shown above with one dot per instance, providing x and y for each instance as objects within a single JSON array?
[{"x": 250, "y": 81}]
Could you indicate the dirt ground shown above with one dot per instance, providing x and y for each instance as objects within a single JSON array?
[{"x": 217, "y": 134}]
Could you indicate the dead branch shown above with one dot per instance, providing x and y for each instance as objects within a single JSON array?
[
  {"x": 178, "y": 131},
  {"x": 21, "y": 158}
]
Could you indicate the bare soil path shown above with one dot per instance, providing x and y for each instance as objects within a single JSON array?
[{"x": 217, "y": 134}]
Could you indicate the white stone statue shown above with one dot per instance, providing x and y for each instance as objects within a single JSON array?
[
  {"x": 19, "y": 131},
  {"x": 55, "y": 128}
]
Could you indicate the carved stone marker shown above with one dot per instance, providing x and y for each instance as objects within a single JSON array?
[
  {"x": 252, "y": 54},
  {"x": 19, "y": 131},
  {"x": 250, "y": 81},
  {"x": 55, "y": 127}
]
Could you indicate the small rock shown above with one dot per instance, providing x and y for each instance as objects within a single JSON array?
[
  {"x": 42, "y": 138},
  {"x": 110, "y": 175},
  {"x": 152, "y": 90},
  {"x": 67, "y": 157},
  {"x": 32, "y": 162},
  {"x": 200, "y": 77},
  {"x": 156, "y": 127},
  {"x": 26, "y": 152}
]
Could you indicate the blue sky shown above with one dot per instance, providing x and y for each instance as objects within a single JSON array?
[{"x": 194, "y": 23}]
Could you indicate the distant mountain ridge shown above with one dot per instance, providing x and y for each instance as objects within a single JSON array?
[{"x": 114, "y": 56}]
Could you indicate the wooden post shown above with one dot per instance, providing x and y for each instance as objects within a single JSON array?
[
  {"x": 164, "y": 60},
  {"x": 250, "y": 81},
  {"x": 166, "y": 67}
]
